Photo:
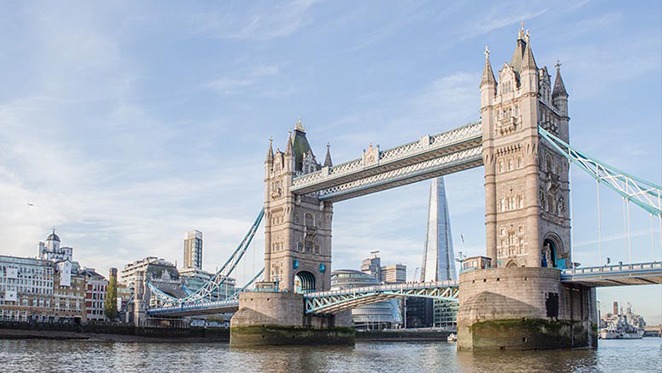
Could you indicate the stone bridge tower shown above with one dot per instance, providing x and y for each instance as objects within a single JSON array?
[
  {"x": 297, "y": 259},
  {"x": 520, "y": 302},
  {"x": 297, "y": 253},
  {"x": 526, "y": 183}
]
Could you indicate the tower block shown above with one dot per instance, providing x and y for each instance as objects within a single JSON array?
[
  {"x": 297, "y": 258},
  {"x": 520, "y": 302}
]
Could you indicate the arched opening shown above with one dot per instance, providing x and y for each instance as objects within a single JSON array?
[
  {"x": 304, "y": 282},
  {"x": 549, "y": 254},
  {"x": 511, "y": 264}
]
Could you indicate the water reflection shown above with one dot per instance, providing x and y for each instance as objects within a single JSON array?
[{"x": 84, "y": 356}]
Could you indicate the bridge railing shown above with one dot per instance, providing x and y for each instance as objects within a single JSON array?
[
  {"x": 195, "y": 306},
  {"x": 613, "y": 268},
  {"x": 389, "y": 287}
]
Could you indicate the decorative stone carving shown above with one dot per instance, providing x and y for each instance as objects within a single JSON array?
[{"x": 371, "y": 155}]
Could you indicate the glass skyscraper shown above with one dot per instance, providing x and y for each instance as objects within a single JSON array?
[{"x": 438, "y": 258}]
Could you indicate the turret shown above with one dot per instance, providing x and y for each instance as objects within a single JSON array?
[
  {"x": 269, "y": 161},
  {"x": 487, "y": 84},
  {"x": 327, "y": 159},
  {"x": 288, "y": 159},
  {"x": 528, "y": 73},
  {"x": 560, "y": 102},
  {"x": 559, "y": 94}
]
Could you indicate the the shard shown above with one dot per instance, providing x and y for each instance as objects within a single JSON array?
[{"x": 438, "y": 259}]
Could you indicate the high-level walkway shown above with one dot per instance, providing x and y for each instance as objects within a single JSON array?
[{"x": 431, "y": 156}]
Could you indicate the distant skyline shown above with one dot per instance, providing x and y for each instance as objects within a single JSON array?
[{"x": 126, "y": 124}]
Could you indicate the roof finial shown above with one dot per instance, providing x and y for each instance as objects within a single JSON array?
[
  {"x": 558, "y": 65},
  {"x": 521, "y": 31},
  {"x": 299, "y": 126},
  {"x": 487, "y": 53},
  {"x": 527, "y": 36}
]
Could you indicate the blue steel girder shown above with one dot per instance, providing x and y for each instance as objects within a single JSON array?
[
  {"x": 330, "y": 302},
  {"x": 200, "y": 308},
  {"x": 643, "y": 193},
  {"x": 431, "y": 156}
]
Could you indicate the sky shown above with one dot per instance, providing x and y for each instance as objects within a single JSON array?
[{"x": 125, "y": 124}]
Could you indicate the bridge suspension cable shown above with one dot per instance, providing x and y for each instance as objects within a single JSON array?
[
  {"x": 643, "y": 193},
  {"x": 212, "y": 287},
  {"x": 597, "y": 192}
]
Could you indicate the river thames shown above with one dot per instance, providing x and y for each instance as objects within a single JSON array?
[{"x": 100, "y": 356}]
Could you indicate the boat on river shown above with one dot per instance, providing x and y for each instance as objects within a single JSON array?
[{"x": 623, "y": 325}]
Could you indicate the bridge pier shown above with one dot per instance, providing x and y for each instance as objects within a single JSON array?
[
  {"x": 278, "y": 318},
  {"x": 524, "y": 309}
]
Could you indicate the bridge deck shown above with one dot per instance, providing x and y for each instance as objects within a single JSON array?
[
  {"x": 615, "y": 275},
  {"x": 205, "y": 308},
  {"x": 333, "y": 301}
]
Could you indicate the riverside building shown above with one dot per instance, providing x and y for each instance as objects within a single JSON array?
[{"x": 50, "y": 288}]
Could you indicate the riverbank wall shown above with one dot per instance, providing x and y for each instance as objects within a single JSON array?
[{"x": 119, "y": 332}]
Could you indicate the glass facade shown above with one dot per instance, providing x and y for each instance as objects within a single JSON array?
[{"x": 380, "y": 315}]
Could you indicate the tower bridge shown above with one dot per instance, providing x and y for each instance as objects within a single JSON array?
[{"x": 528, "y": 296}]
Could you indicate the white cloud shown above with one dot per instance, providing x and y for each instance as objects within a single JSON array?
[
  {"x": 261, "y": 22},
  {"x": 243, "y": 80},
  {"x": 500, "y": 15}
]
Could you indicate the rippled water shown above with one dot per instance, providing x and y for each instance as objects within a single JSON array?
[{"x": 95, "y": 356}]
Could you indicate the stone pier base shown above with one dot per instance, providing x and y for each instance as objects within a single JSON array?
[
  {"x": 266, "y": 318},
  {"x": 524, "y": 309}
]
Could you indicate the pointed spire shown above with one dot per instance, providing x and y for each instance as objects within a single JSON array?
[
  {"x": 521, "y": 34},
  {"x": 559, "y": 87},
  {"x": 488, "y": 73},
  {"x": 270, "y": 152},
  {"x": 288, "y": 149},
  {"x": 327, "y": 159},
  {"x": 528, "y": 62}
]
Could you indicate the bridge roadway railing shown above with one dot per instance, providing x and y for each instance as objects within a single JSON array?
[
  {"x": 333, "y": 301},
  {"x": 615, "y": 275},
  {"x": 183, "y": 309},
  {"x": 427, "y": 148}
]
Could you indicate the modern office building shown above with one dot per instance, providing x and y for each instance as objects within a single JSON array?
[
  {"x": 372, "y": 265},
  {"x": 390, "y": 274},
  {"x": 193, "y": 249},
  {"x": 379, "y": 315},
  {"x": 419, "y": 312},
  {"x": 394, "y": 274},
  {"x": 26, "y": 289}
]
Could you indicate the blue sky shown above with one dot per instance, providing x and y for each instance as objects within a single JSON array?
[{"x": 127, "y": 123}]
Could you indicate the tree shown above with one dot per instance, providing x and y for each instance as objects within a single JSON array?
[{"x": 110, "y": 302}]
